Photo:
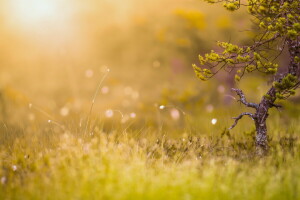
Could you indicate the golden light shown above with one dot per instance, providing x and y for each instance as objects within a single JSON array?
[
  {"x": 43, "y": 22},
  {"x": 36, "y": 12}
]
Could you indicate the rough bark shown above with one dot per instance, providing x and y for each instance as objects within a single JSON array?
[
  {"x": 260, "y": 119},
  {"x": 294, "y": 50},
  {"x": 261, "y": 114}
]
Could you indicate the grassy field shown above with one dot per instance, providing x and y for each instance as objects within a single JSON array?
[{"x": 47, "y": 161}]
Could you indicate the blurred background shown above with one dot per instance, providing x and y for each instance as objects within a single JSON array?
[{"x": 134, "y": 56}]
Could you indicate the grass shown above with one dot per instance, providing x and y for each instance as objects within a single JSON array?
[
  {"x": 43, "y": 163},
  {"x": 149, "y": 156}
]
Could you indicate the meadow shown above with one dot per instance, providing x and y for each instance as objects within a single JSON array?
[
  {"x": 45, "y": 163},
  {"x": 92, "y": 108}
]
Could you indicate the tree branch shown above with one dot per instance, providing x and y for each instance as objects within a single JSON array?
[
  {"x": 243, "y": 99},
  {"x": 277, "y": 106},
  {"x": 262, "y": 42},
  {"x": 240, "y": 117}
]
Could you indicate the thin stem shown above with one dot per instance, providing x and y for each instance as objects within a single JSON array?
[
  {"x": 94, "y": 99},
  {"x": 240, "y": 117}
]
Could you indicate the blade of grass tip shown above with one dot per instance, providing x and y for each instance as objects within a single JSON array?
[
  {"x": 94, "y": 99},
  {"x": 121, "y": 114},
  {"x": 50, "y": 118},
  {"x": 40, "y": 110},
  {"x": 57, "y": 124}
]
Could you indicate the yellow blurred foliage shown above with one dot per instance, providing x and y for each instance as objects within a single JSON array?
[
  {"x": 161, "y": 35},
  {"x": 196, "y": 19},
  {"x": 224, "y": 22},
  {"x": 183, "y": 42},
  {"x": 15, "y": 96}
]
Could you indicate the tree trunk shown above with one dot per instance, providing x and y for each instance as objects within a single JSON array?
[
  {"x": 261, "y": 130},
  {"x": 260, "y": 119},
  {"x": 261, "y": 114},
  {"x": 294, "y": 50}
]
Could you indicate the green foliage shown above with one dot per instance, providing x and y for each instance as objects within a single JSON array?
[
  {"x": 277, "y": 17},
  {"x": 286, "y": 86},
  {"x": 277, "y": 21},
  {"x": 231, "y": 6},
  {"x": 234, "y": 57}
]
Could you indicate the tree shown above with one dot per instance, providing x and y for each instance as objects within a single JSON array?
[{"x": 278, "y": 27}]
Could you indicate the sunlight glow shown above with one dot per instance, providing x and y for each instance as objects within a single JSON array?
[{"x": 33, "y": 12}]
